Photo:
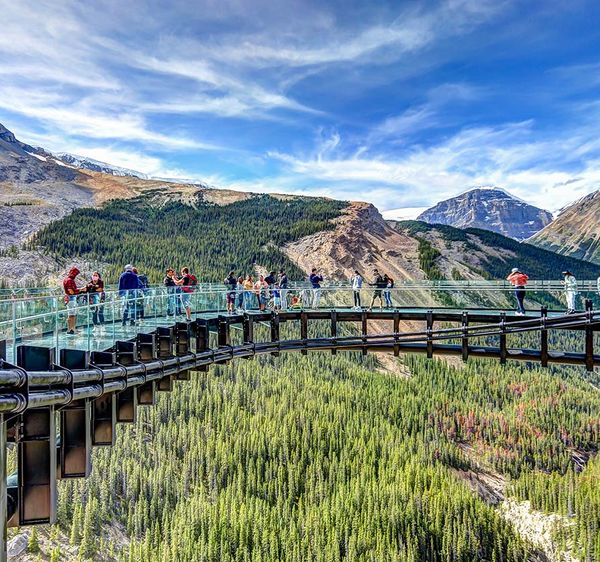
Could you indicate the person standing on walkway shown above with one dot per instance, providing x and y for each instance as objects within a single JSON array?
[
  {"x": 71, "y": 291},
  {"x": 261, "y": 290},
  {"x": 518, "y": 279},
  {"x": 380, "y": 284},
  {"x": 315, "y": 280},
  {"x": 239, "y": 289},
  {"x": 357, "y": 282},
  {"x": 188, "y": 283},
  {"x": 171, "y": 287},
  {"x": 231, "y": 291},
  {"x": 248, "y": 288},
  {"x": 128, "y": 290},
  {"x": 140, "y": 302},
  {"x": 95, "y": 289},
  {"x": 570, "y": 291},
  {"x": 283, "y": 285},
  {"x": 387, "y": 292}
]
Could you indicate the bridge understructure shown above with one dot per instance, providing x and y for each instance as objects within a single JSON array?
[{"x": 57, "y": 404}]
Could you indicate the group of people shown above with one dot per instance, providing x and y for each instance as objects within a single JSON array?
[
  {"x": 519, "y": 280},
  {"x": 244, "y": 292},
  {"x": 95, "y": 291},
  {"x": 133, "y": 287},
  {"x": 383, "y": 284}
]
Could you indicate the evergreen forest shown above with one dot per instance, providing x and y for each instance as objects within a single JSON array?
[{"x": 209, "y": 239}]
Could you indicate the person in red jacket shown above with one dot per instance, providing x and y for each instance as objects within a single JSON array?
[
  {"x": 71, "y": 291},
  {"x": 518, "y": 279}
]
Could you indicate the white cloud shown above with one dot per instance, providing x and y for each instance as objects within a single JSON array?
[{"x": 509, "y": 156}]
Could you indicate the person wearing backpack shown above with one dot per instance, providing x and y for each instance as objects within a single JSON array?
[
  {"x": 188, "y": 284},
  {"x": 387, "y": 292}
]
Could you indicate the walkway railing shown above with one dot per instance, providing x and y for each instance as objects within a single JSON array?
[{"x": 42, "y": 320}]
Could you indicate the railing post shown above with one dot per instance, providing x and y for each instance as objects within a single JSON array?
[
  {"x": 275, "y": 331},
  {"x": 429, "y": 321},
  {"x": 334, "y": 331},
  {"x": 544, "y": 337},
  {"x": 364, "y": 330},
  {"x": 396, "y": 329},
  {"x": 503, "y": 351},
  {"x": 304, "y": 331},
  {"x": 465, "y": 339},
  {"x": 589, "y": 337}
]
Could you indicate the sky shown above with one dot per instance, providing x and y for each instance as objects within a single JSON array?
[{"x": 401, "y": 104}]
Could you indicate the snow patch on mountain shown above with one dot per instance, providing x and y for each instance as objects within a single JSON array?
[{"x": 82, "y": 162}]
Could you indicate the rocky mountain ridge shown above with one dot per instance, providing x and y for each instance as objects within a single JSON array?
[
  {"x": 490, "y": 208},
  {"x": 576, "y": 230}
]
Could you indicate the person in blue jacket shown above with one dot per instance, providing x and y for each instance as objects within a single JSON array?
[{"x": 129, "y": 284}]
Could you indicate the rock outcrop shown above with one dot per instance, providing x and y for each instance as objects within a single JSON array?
[
  {"x": 576, "y": 230},
  {"x": 492, "y": 209}
]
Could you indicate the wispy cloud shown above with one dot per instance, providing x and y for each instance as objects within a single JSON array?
[{"x": 509, "y": 155}]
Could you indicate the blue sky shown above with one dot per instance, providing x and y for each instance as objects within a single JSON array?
[{"x": 398, "y": 103}]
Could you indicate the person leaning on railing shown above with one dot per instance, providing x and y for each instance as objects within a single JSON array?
[
  {"x": 71, "y": 291},
  {"x": 518, "y": 279}
]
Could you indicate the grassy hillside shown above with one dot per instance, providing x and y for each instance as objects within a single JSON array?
[
  {"x": 492, "y": 255},
  {"x": 208, "y": 238}
]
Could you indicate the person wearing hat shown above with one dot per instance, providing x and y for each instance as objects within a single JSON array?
[
  {"x": 518, "y": 279},
  {"x": 570, "y": 291},
  {"x": 128, "y": 290}
]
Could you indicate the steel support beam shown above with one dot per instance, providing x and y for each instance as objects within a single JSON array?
[
  {"x": 75, "y": 450},
  {"x": 127, "y": 400},
  {"x": 465, "y": 340},
  {"x": 104, "y": 408},
  {"x": 275, "y": 331},
  {"x": 333, "y": 331}
]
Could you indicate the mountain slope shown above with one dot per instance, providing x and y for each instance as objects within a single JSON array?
[
  {"x": 474, "y": 252},
  {"x": 363, "y": 240},
  {"x": 489, "y": 208},
  {"x": 576, "y": 230}
]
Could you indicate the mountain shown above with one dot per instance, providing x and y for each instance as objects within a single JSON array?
[
  {"x": 576, "y": 230},
  {"x": 361, "y": 239},
  {"x": 490, "y": 208},
  {"x": 84, "y": 163}
]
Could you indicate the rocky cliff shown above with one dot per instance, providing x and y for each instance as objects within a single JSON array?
[
  {"x": 576, "y": 230},
  {"x": 492, "y": 209}
]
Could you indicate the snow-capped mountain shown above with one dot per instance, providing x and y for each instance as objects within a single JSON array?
[
  {"x": 84, "y": 163},
  {"x": 491, "y": 208}
]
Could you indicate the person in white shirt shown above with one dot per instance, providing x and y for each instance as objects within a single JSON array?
[
  {"x": 357, "y": 282},
  {"x": 570, "y": 291}
]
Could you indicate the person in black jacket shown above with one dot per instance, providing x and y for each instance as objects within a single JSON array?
[{"x": 380, "y": 283}]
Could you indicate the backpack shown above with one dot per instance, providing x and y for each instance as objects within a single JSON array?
[{"x": 189, "y": 288}]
